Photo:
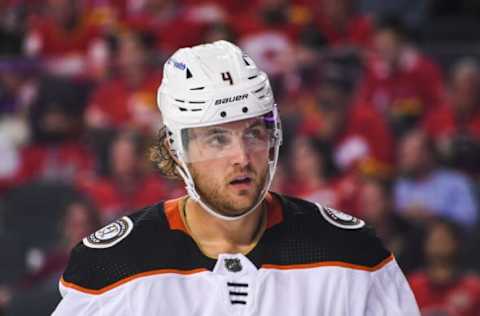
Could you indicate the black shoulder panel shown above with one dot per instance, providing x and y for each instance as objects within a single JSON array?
[
  {"x": 306, "y": 236},
  {"x": 151, "y": 245}
]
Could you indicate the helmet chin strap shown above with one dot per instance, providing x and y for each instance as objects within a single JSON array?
[{"x": 192, "y": 192}]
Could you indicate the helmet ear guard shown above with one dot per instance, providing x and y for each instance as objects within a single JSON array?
[
  {"x": 168, "y": 143},
  {"x": 209, "y": 85}
]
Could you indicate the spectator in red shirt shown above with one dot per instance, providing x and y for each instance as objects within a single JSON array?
[
  {"x": 360, "y": 140},
  {"x": 268, "y": 16},
  {"x": 340, "y": 24},
  {"x": 270, "y": 22},
  {"x": 56, "y": 151},
  {"x": 455, "y": 127},
  {"x": 399, "y": 82},
  {"x": 54, "y": 162},
  {"x": 358, "y": 134},
  {"x": 170, "y": 21},
  {"x": 130, "y": 184},
  {"x": 63, "y": 35},
  {"x": 442, "y": 288},
  {"x": 129, "y": 98}
]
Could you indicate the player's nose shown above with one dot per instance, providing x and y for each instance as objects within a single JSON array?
[{"x": 239, "y": 154}]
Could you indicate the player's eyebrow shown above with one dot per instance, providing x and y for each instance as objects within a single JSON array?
[
  {"x": 206, "y": 131},
  {"x": 215, "y": 130},
  {"x": 254, "y": 124},
  {"x": 212, "y": 130}
]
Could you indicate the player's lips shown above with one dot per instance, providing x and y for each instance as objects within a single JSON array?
[{"x": 241, "y": 182}]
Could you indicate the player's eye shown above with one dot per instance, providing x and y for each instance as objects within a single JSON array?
[
  {"x": 256, "y": 134},
  {"x": 218, "y": 140}
]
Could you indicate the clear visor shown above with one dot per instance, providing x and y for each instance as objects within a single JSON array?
[{"x": 253, "y": 136}]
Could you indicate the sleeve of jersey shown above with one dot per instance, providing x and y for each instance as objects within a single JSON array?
[
  {"x": 390, "y": 294},
  {"x": 75, "y": 300},
  {"x": 75, "y": 303}
]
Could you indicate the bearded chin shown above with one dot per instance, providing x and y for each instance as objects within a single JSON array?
[{"x": 212, "y": 195}]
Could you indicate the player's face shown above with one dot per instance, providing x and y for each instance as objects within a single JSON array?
[{"x": 229, "y": 163}]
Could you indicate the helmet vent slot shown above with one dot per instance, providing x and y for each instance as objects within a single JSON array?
[
  {"x": 178, "y": 100},
  {"x": 195, "y": 110},
  {"x": 196, "y": 102},
  {"x": 245, "y": 61},
  {"x": 260, "y": 89},
  {"x": 182, "y": 109},
  {"x": 198, "y": 88},
  {"x": 189, "y": 74},
  {"x": 252, "y": 77}
]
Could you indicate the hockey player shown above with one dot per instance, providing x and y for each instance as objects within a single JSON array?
[{"x": 230, "y": 247}]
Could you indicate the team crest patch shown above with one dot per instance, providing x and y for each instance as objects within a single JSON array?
[
  {"x": 340, "y": 219},
  {"x": 233, "y": 265},
  {"x": 110, "y": 234}
]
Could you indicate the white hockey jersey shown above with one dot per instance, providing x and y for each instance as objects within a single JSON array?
[{"x": 310, "y": 261}]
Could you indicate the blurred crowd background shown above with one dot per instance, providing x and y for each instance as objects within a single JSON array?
[{"x": 380, "y": 102}]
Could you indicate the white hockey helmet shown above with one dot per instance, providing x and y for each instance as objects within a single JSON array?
[{"x": 213, "y": 84}]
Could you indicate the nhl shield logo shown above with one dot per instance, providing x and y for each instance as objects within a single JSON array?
[{"x": 233, "y": 265}]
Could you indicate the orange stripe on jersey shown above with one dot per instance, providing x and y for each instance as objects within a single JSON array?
[
  {"x": 329, "y": 264},
  {"x": 128, "y": 279},
  {"x": 172, "y": 212}
]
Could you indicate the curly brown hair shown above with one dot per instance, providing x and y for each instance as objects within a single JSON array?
[{"x": 161, "y": 156}]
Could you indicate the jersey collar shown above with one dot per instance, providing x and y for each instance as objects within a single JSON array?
[{"x": 175, "y": 222}]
